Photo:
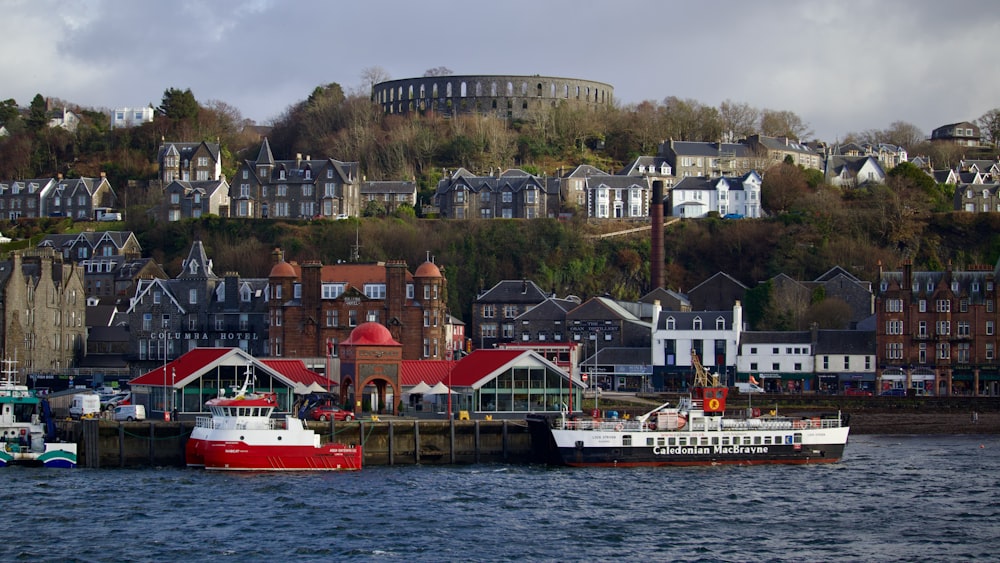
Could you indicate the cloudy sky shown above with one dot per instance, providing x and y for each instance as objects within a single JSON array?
[{"x": 842, "y": 66}]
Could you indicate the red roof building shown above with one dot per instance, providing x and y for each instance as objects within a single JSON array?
[
  {"x": 495, "y": 382},
  {"x": 182, "y": 386}
]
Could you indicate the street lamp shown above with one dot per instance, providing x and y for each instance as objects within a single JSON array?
[
  {"x": 165, "y": 337},
  {"x": 449, "y": 384}
]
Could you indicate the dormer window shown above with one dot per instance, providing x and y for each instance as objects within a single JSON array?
[
  {"x": 193, "y": 267},
  {"x": 281, "y": 174}
]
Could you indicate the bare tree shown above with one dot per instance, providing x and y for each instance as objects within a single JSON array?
[
  {"x": 738, "y": 118},
  {"x": 990, "y": 125},
  {"x": 370, "y": 76},
  {"x": 901, "y": 133},
  {"x": 690, "y": 120},
  {"x": 783, "y": 124}
]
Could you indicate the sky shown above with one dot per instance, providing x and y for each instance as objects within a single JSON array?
[{"x": 841, "y": 66}]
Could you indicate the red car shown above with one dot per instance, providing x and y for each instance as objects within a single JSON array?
[
  {"x": 857, "y": 392},
  {"x": 325, "y": 413}
]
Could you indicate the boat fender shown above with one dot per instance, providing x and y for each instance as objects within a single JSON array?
[
  {"x": 652, "y": 426},
  {"x": 619, "y": 427},
  {"x": 23, "y": 431}
]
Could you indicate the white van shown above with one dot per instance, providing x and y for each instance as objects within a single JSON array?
[
  {"x": 747, "y": 387},
  {"x": 85, "y": 405},
  {"x": 130, "y": 412}
]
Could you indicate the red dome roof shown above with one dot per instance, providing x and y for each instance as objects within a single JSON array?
[
  {"x": 427, "y": 270},
  {"x": 369, "y": 334},
  {"x": 282, "y": 270}
]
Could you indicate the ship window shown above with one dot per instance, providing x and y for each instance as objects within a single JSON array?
[
  {"x": 756, "y": 440},
  {"x": 715, "y": 440},
  {"x": 683, "y": 441},
  {"x": 746, "y": 440},
  {"x": 767, "y": 440},
  {"x": 704, "y": 440},
  {"x": 627, "y": 440},
  {"x": 660, "y": 441},
  {"x": 798, "y": 438},
  {"x": 671, "y": 441},
  {"x": 649, "y": 441},
  {"x": 725, "y": 440}
]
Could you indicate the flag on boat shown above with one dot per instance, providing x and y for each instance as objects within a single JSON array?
[{"x": 752, "y": 380}]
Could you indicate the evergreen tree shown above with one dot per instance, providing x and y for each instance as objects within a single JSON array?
[
  {"x": 178, "y": 104},
  {"x": 37, "y": 118}
]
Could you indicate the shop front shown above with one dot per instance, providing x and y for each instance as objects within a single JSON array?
[{"x": 856, "y": 382}]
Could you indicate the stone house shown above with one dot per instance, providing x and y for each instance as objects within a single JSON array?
[
  {"x": 43, "y": 308},
  {"x": 197, "y": 162},
  {"x": 79, "y": 198},
  {"x": 512, "y": 194},
  {"x": 111, "y": 262},
  {"x": 981, "y": 198},
  {"x": 390, "y": 194},
  {"x": 546, "y": 322},
  {"x": 709, "y": 160},
  {"x": 963, "y": 133},
  {"x": 494, "y": 311},
  {"x": 191, "y": 200},
  {"x": 302, "y": 188},
  {"x": 720, "y": 291},
  {"x": 777, "y": 149},
  {"x": 197, "y": 308},
  {"x": 24, "y": 198}
]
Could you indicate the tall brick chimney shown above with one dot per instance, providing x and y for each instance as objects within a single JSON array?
[{"x": 656, "y": 258}]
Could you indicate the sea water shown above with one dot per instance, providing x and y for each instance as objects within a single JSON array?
[{"x": 892, "y": 498}]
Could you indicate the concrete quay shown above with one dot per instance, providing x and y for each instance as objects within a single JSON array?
[{"x": 105, "y": 444}]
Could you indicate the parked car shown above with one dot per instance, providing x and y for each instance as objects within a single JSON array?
[
  {"x": 747, "y": 387},
  {"x": 325, "y": 413},
  {"x": 121, "y": 398},
  {"x": 130, "y": 413},
  {"x": 857, "y": 392},
  {"x": 897, "y": 392}
]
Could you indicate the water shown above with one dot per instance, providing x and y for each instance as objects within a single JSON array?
[{"x": 891, "y": 498}]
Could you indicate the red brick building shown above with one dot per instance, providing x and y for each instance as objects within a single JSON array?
[
  {"x": 936, "y": 332},
  {"x": 313, "y": 307}
]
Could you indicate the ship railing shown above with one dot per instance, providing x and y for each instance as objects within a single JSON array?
[
  {"x": 602, "y": 424},
  {"x": 213, "y": 423},
  {"x": 779, "y": 423}
]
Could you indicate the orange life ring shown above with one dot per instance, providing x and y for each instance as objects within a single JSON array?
[{"x": 619, "y": 427}]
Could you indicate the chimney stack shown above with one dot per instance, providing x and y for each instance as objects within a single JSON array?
[{"x": 656, "y": 257}]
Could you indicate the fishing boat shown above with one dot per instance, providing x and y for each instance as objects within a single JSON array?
[
  {"x": 27, "y": 429},
  {"x": 241, "y": 435},
  {"x": 695, "y": 431}
]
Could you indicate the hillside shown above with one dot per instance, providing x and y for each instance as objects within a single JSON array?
[{"x": 560, "y": 257}]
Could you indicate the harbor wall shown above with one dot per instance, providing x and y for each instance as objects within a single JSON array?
[{"x": 104, "y": 444}]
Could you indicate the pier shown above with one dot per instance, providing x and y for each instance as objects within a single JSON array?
[{"x": 105, "y": 444}]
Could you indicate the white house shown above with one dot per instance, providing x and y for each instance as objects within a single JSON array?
[
  {"x": 713, "y": 335},
  {"x": 853, "y": 171},
  {"x": 777, "y": 359},
  {"x": 131, "y": 117},
  {"x": 694, "y": 197}
]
